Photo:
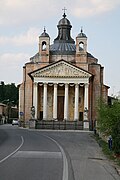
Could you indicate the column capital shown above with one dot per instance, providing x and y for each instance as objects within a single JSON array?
[
  {"x": 86, "y": 85},
  {"x": 76, "y": 85},
  {"x": 35, "y": 83},
  {"x": 45, "y": 84},
  {"x": 66, "y": 84},
  {"x": 55, "y": 84}
]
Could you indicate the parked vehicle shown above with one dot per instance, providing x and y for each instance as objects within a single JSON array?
[{"x": 15, "y": 122}]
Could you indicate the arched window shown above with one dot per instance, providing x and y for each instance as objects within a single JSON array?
[
  {"x": 81, "y": 46},
  {"x": 43, "y": 46}
]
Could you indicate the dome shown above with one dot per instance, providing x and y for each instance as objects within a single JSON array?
[
  {"x": 63, "y": 48},
  {"x": 81, "y": 34},
  {"x": 64, "y": 31},
  {"x": 63, "y": 44},
  {"x": 44, "y": 34},
  {"x": 64, "y": 21}
]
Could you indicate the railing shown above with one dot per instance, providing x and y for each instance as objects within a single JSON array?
[{"x": 59, "y": 125}]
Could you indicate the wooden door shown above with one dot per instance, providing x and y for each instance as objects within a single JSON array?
[
  {"x": 80, "y": 116},
  {"x": 60, "y": 108},
  {"x": 41, "y": 115}
]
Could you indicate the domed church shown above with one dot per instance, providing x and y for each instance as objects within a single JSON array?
[{"x": 63, "y": 81}]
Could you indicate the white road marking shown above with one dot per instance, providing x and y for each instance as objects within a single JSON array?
[
  {"x": 65, "y": 163},
  {"x": 4, "y": 159},
  {"x": 37, "y": 154}
]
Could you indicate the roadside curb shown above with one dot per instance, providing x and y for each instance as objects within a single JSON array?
[
  {"x": 58, "y": 130},
  {"x": 49, "y": 130},
  {"x": 118, "y": 170}
]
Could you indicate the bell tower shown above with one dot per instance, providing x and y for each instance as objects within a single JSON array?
[
  {"x": 81, "y": 49},
  {"x": 44, "y": 46},
  {"x": 81, "y": 42}
]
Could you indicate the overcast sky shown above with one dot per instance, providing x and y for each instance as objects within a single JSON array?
[{"x": 22, "y": 21}]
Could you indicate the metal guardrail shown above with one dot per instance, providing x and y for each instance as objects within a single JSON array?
[{"x": 59, "y": 125}]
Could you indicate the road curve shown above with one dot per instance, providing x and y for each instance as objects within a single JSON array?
[{"x": 42, "y": 155}]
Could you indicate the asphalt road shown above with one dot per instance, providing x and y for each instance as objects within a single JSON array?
[{"x": 51, "y": 155}]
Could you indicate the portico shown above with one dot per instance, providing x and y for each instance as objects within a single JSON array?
[{"x": 73, "y": 87}]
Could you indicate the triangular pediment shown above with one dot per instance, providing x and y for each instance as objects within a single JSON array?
[{"x": 61, "y": 69}]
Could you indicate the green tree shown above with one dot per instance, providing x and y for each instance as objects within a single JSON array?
[
  {"x": 2, "y": 91},
  {"x": 8, "y": 93},
  {"x": 116, "y": 137},
  {"x": 109, "y": 122}
]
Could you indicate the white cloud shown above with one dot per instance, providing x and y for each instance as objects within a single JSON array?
[
  {"x": 93, "y": 7},
  {"x": 28, "y": 38},
  {"x": 11, "y": 66},
  {"x": 13, "y": 60},
  {"x": 26, "y": 11}
]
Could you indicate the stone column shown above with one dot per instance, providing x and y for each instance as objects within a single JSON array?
[
  {"x": 35, "y": 98},
  {"x": 55, "y": 102},
  {"x": 66, "y": 103},
  {"x": 86, "y": 97},
  {"x": 45, "y": 102},
  {"x": 86, "y": 121},
  {"x": 76, "y": 113}
]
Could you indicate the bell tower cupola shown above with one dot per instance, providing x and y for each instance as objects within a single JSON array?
[
  {"x": 81, "y": 42},
  {"x": 44, "y": 46}
]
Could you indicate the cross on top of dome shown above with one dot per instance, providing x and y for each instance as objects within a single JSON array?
[{"x": 64, "y": 15}]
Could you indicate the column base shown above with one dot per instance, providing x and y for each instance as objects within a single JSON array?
[
  {"x": 55, "y": 119},
  {"x": 45, "y": 119},
  {"x": 65, "y": 119},
  {"x": 76, "y": 120},
  {"x": 32, "y": 123},
  {"x": 86, "y": 125}
]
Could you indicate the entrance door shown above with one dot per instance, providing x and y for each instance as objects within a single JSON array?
[
  {"x": 80, "y": 116},
  {"x": 60, "y": 108},
  {"x": 41, "y": 115}
]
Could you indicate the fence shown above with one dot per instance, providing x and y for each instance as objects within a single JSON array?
[{"x": 60, "y": 125}]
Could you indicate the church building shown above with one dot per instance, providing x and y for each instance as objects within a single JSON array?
[{"x": 63, "y": 81}]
